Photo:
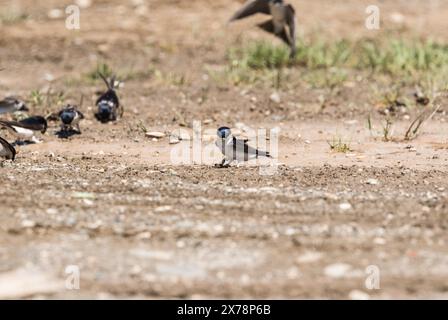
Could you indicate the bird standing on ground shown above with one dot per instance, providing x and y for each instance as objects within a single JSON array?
[
  {"x": 236, "y": 149},
  {"x": 26, "y": 129},
  {"x": 11, "y": 105},
  {"x": 108, "y": 104},
  {"x": 282, "y": 24},
  {"x": 70, "y": 117},
  {"x": 7, "y": 151}
]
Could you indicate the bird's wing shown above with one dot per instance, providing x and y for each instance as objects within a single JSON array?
[
  {"x": 241, "y": 145},
  {"x": 252, "y": 7},
  {"x": 9, "y": 147},
  {"x": 268, "y": 26},
  {"x": 30, "y": 123},
  {"x": 291, "y": 21},
  {"x": 7, "y": 102}
]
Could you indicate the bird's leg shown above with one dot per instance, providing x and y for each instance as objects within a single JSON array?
[
  {"x": 78, "y": 129},
  {"x": 227, "y": 163},
  {"x": 224, "y": 164},
  {"x": 221, "y": 165}
]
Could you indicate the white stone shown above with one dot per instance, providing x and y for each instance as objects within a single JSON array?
[{"x": 337, "y": 270}]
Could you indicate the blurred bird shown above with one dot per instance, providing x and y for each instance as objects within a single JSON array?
[
  {"x": 108, "y": 103},
  {"x": 7, "y": 151},
  {"x": 11, "y": 105},
  {"x": 236, "y": 149},
  {"x": 70, "y": 117},
  {"x": 283, "y": 19},
  {"x": 26, "y": 129}
]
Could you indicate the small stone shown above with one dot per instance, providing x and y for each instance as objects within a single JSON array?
[
  {"x": 174, "y": 139},
  {"x": 372, "y": 181},
  {"x": 83, "y": 4},
  {"x": 163, "y": 209},
  {"x": 28, "y": 224},
  {"x": 337, "y": 270},
  {"x": 309, "y": 257},
  {"x": 345, "y": 206},
  {"x": 379, "y": 241},
  {"x": 275, "y": 97},
  {"x": 52, "y": 211},
  {"x": 155, "y": 134},
  {"x": 55, "y": 14},
  {"x": 144, "y": 235},
  {"x": 88, "y": 202}
]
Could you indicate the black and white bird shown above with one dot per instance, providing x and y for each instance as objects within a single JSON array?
[
  {"x": 70, "y": 117},
  {"x": 108, "y": 104},
  {"x": 11, "y": 105},
  {"x": 282, "y": 24},
  {"x": 26, "y": 129},
  {"x": 7, "y": 151},
  {"x": 236, "y": 149}
]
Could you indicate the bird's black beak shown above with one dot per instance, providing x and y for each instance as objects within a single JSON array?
[{"x": 24, "y": 108}]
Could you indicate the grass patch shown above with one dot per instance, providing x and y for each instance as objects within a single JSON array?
[
  {"x": 412, "y": 60},
  {"x": 338, "y": 145},
  {"x": 102, "y": 68},
  {"x": 12, "y": 16}
]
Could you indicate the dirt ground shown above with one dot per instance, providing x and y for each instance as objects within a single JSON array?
[{"x": 112, "y": 203}]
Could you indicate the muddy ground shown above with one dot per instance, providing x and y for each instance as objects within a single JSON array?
[{"x": 111, "y": 203}]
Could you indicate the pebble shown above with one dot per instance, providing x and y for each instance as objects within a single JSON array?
[
  {"x": 55, "y": 14},
  {"x": 372, "y": 181},
  {"x": 337, "y": 270},
  {"x": 309, "y": 257},
  {"x": 345, "y": 206},
  {"x": 275, "y": 97},
  {"x": 174, "y": 139},
  {"x": 83, "y": 4},
  {"x": 28, "y": 224},
  {"x": 157, "y": 135}
]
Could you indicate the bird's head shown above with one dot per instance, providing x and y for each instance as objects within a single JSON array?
[
  {"x": 105, "y": 111},
  {"x": 21, "y": 106},
  {"x": 67, "y": 115},
  {"x": 223, "y": 132}
]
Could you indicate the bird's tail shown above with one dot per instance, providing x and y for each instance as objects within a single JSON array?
[{"x": 263, "y": 154}]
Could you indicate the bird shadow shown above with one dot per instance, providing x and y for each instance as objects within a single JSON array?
[
  {"x": 65, "y": 134},
  {"x": 22, "y": 143}
]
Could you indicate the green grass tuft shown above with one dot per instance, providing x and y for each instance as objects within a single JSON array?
[{"x": 392, "y": 57}]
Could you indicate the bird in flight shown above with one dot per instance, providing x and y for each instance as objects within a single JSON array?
[{"x": 282, "y": 24}]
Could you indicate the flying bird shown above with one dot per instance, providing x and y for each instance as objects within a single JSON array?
[
  {"x": 7, "y": 151},
  {"x": 11, "y": 105},
  {"x": 282, "y": 24},
  {"x": 26, "y": 129},
  {"x": 236, "y": 149},
  {"x": 70, "y": 117},
  {"x": 108, "y": 104}
]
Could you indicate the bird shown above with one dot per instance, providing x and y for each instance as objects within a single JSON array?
[
  {"x": 7, "y": 151},
  {"x": 108, "y": 104},
  {"x": 282, "y": 24},
  {"x": 26, "y": 129},
  {"x": 236, "y": 149},
  {"x": 70, "y": 117},
  {"x": 11, "y": 105}
]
